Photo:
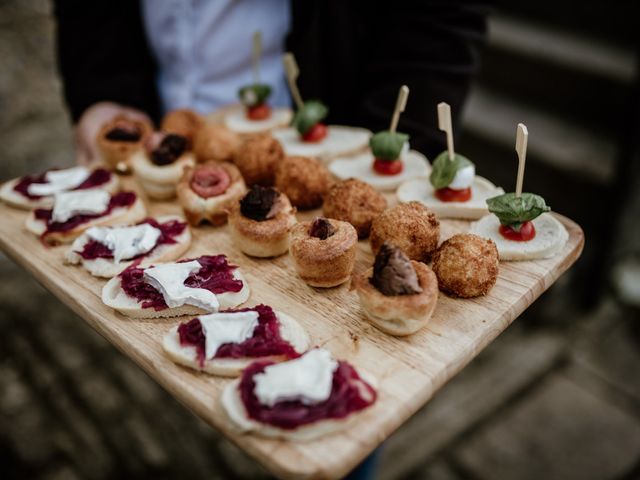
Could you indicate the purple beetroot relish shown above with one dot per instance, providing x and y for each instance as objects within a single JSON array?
[
  {"x": 98, "y": 177},
  {"x": 215, "y": 275},
  {"x": 119, "y": 200},
  {"x": 168, "y": 232},
  {"x": 265, "y": 341},
  {"x": 349, "y": 394}
]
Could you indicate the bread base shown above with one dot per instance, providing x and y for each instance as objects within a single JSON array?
[
  {"x": 122, "y": 216},
  {"x": 340, "y": 141},
  {"x": 290, "y": 331},
  {"x": 361, "y": 167},
  {"x": 551, "y": 236},
  {"x": 12, "y": 198},
  {"x": 421, "y": 190},
  {"x": 107, "y": 268},
  {"x": 237, "y": 414},
  {"x": 113, "y": 296}
]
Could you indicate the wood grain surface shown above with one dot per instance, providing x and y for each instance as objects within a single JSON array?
[{"x": 409, "y": 370}]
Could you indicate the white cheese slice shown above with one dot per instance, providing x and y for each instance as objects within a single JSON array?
[
  {"x": 68, "y": 204},
  {"x": 237, "y": 121},
  {"x": 60, "y": 181},
  {"x": 308, "y": 379},
  {"x": 464, "y": 178},
  {"x": 169, "y": 280},
  {"x": 126, "y": 242},
  {"x": 230, "y": 327}
]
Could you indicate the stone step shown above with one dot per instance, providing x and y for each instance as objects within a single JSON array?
[
  {"x": 491, "y": 118},
  {"x": 573, "y": 76}
]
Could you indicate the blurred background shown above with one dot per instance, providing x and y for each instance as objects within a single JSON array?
[{"x": 557, "y": 396}]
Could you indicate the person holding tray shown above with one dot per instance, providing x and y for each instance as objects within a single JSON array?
[{"x": 148, "y": 57}]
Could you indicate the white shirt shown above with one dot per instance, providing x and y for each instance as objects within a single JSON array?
[{"x": 203, "y": 49}]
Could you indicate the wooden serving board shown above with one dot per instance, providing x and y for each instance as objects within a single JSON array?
[{"x": 409, "y": 370}]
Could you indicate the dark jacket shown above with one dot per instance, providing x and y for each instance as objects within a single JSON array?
[{"x": 353, "y": 55}]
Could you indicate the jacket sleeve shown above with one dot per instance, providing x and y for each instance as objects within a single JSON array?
[
  {"x": 355, "y": 56},
  {"x": 103, "y": 55}
]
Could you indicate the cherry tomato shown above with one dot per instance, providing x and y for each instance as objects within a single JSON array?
[
  {"x": 386, "y": 167},
  {"x": 526, "y": 233},
  {"x": 316, "y": 133},
  {"x": 259, "y": 112},
  {"x": 447, "y": 194}
]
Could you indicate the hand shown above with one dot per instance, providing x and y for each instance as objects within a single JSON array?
[{"x": 90, "y": 123}]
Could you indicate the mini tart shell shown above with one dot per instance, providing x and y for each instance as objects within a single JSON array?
[
  {"x": 268, "y": 238},
  {"x": 117, "y": 154},
  {"x": 398, "y": 315},
  {"x": 356, "y": 202},
  {"x": 159, "y": 181},
  {"x": 198, "y": 209},
  {"x": 324, "y": 263}
]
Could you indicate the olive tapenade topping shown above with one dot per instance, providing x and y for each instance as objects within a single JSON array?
[
  {"x": 169, "y": 150},
  {"x": 258, "y": 203},
  {"x": 123, "y": 134},
  {"x": 321, "y": 228},
  {"x": 393, "y": 273}
]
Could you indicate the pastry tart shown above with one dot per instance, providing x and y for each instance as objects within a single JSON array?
[
  {"x": 38, "y": 190},
  {"x": 301, "y": 399},
  {"x": 397, "y": 295},
  {"x": 260, "y": 222},
  {"x": 225, "y": 343},
  {"x": 74, "y": 212},
  {"x": 106, "y": 251},
  {"x": 189, "y": 287},
  {"x": 324, "y": 251},
  {"x": 119, "y": 139},
  {"x": 159, "y": 167},
  {"x": 207, "y": 191}
]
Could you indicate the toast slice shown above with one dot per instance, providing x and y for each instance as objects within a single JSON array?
[
  {"x": 121, "y": 215},
  {"x": 290, "y": 330},
  {"x": 107, "y": 267}
]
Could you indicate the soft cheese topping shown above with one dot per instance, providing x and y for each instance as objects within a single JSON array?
[
  {"x": 126, "y": 242},
  {"x": 59, "y": 181},
  {"x": 169, "y": 280},
  {"x": 308, "y": 379},
  {"x": 463, "y": 178},
  {"x": 227, "y": 327},
  {"x": 68, "y": 204}
]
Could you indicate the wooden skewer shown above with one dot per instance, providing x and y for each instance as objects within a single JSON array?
[
  {"x": 292, "y": 71},
  {"x": 522, "y": 136},
  {"x": 444, "y": 124},
  {"x": 255, "y": 55},
  {"x": 401, "y": 103}
]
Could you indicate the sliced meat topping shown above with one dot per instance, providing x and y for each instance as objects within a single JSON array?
[
  {"x": 210, "y": 181},
  {"x": 321, "y": 228},
  {"x": 260, "y": 203}
]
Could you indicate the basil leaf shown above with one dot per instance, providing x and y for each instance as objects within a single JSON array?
[
  {"x": 514, "y": 211},
  {"x": 312, "y": 112},
  {"x": 386, "y": 145},
  {"x": 256, "y": 94},
  {"x": 443, "y": 170}
]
